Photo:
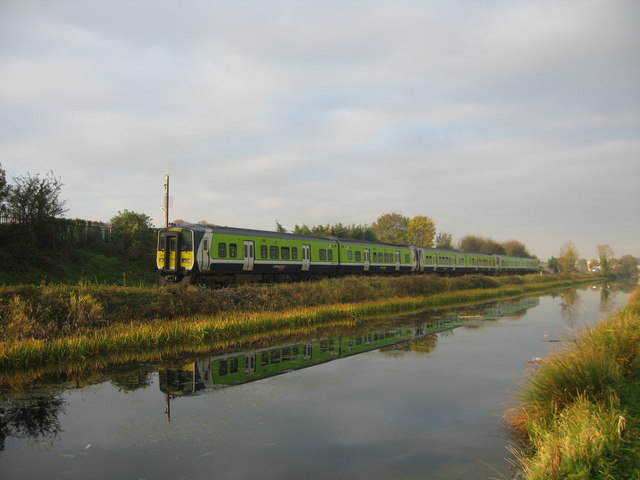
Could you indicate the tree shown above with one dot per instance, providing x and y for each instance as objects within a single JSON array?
[
  {"x": 477, "y": 244},
  {"x": 392, "y": 228},
  {"x": 515, "y": 248},
  {"x": 470, "y": 243},
  {"x": 605, "y": 253},
  {"x": 444, "y": 240},
  {"x": 421, "y": 231},
  {"x": 4, "y": 191},
  {"x": 626, "y": 266},
  {"x": 553, "y": 264},
  {"x": 568, "y": 257},
  {"x": 133, "y": 232},
  {"x": 34, "y": 202},
  {"x": 359, "y": 232}
]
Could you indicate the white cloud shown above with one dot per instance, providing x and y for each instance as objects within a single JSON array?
[{"x": 498, "y": 118}]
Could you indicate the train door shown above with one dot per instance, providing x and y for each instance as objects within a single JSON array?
[
  {"x": 170, "y": 245},
  {"x": 397, "y": 261},
  {"x": 306, "y": 257},
  {"x": 367, "y": 259},
  {"x": 204, "y": 255},
  {"x": 249, "y": 255}
]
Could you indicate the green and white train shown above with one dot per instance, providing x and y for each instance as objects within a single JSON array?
[{"x": 190, "y": 252}]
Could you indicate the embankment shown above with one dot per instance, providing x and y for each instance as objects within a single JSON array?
[{"x": 579, "y": 411}]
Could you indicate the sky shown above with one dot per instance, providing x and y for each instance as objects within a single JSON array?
[{"x": 509, "y": 119}]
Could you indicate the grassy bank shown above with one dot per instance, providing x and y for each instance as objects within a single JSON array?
[
  {"x": 70, "y": 323},
  {"x": 580, "y": 410}
]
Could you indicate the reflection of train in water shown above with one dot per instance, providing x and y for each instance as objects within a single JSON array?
[{"x": 242, "y": 367}]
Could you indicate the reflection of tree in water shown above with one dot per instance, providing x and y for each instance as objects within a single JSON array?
[
  {"x": 131, "y": 380},
  {"x": 423, "y": 344},
  {"x": 605, "y": 294},
  {"x": 396, "y": 350},
  {"x": 34, "y": 417},
  {"x": 569, "y": 307}
]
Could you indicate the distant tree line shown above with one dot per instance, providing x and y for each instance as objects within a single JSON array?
[
  {"x": 419, "y": 231},
  {"x": 606, "y": 264}
]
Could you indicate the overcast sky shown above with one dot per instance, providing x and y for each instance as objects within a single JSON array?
[{"x": 509, "y": 119}]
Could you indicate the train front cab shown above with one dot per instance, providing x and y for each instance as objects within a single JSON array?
[{"x": 175, "y": 259}]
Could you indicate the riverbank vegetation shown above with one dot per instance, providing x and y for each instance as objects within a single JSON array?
[
  {"x": 54, "y": 323},
  {"x": 580, "y": 410}
]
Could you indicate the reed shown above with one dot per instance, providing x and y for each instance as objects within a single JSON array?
[{"x": 580, "y": 410}]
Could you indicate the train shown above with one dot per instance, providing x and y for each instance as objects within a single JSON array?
[{"x": 190, "y": 253}]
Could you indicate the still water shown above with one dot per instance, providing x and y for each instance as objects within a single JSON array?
[{"x": 413, "y": 397}]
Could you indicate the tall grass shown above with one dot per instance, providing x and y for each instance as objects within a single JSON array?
[
  {"x": 580, "y": 411},
  {"x": 49, "y": 311},
  {"x": 189, "y": 328}
]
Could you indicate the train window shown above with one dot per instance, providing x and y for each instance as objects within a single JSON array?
[
  {"x": 375, "y": 257},
  {"x": 330, "y": 255},
  {"x": 358, "y": 256},
  {"x": 222, "y": 249},
  {"x": 233, "y": 365},
  {"x": 294, "y": 253},
  {"x": 406, "y": 258},
  {"x": 286, "y": 354},
  {"x": 222, "y": 367},
  {"x": 264, "y": 359},
  {"x": 350, "y": 255},
  {"x": 324, "y": 346},
  {"x": 286, "y": 253},
  {"x": 263, "y": 251},
  {"x": 323, "y": 254},
  {"x": 273, "y": 252},
  {"x": 275, "y": 356},
  {"x": 233, "y": 250},
  {"x": 294, "y": 352},
  {"x": 186, "y": 241}
]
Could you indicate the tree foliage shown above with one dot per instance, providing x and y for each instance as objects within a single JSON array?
[
  {"x": 605, "y": 254},
  {"x": 421, "y": 231},
  {"x": 444, "y": 240},
  {"x": 626, "y": 266},
  {"x": 568, "y": 257},
  {"x": 359, "y": 232},
  {"x": 133, "y": 231},
  {"x": 4, "y": 190},
  {"x": 392, "y": 228},
  {"x": 515, "y": 248},
  {"x": 478, "y": 244},
  {"x": 33, "y": 202}
]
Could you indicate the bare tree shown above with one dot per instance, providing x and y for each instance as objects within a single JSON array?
[{"x": 33, "y": 202}]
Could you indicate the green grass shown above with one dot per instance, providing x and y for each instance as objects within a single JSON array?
[{"x": 580, "y": 410}]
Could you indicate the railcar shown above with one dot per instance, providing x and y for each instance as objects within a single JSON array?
[{"x": 188, "y": 252}]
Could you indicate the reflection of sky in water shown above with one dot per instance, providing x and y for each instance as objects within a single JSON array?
[{"x": 380, "y": 414}]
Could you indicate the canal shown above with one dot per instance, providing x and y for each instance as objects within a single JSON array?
[{"x": 410, "y": 397}]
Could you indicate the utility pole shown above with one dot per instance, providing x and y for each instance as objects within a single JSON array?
[{"x": 166, "y": 200}]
